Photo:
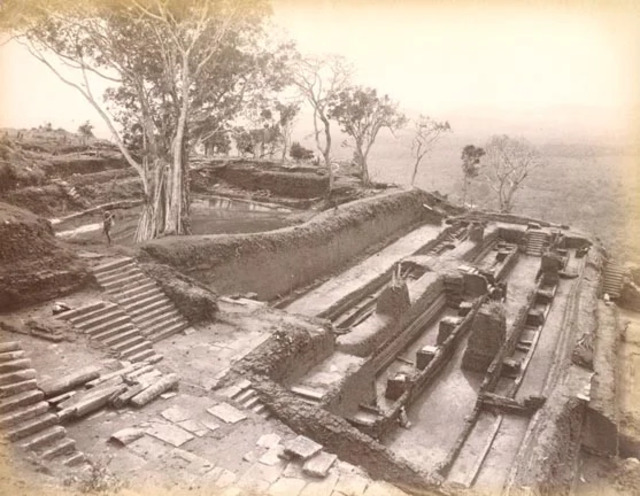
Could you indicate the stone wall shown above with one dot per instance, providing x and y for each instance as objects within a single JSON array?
[{"x": 274, "y": 263}]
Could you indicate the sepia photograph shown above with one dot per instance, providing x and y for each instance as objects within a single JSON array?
[{"x": 319, "y": 247}]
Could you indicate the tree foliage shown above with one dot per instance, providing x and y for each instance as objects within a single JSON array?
[
  {"x": 508, "y": 163},
  {"x": 471, "y": 156},
  {"x": 362, "y": 114},
  {"x": 300, "y": 153},
  {"x": 427, "y": 133}
]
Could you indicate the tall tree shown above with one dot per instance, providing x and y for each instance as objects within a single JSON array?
[
  {"x": 362, "y": 113},
  {"x": 427, "y": 132},
  {"x": 157, "y": 55},
  {"x": 508, "y": 163},
  {"x": 471, "y": 156},
  {"x": 319, "y": 80}
]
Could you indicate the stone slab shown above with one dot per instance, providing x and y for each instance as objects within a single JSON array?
[
  {"x": 269, "y": 440},
  {"x": 319, "y": 465},
  {"x": 272, "y": 456},
  {"x": 176, "y": 414},
  {"x": 127, "y": 435},
  {"x": 301, "y": 447},
  {"x": 351, "y": 484},
  {"x": 170, "y": 434},
  {"x": 227, "y": 413},
  {"x": 194, "y": 427},
  {"x": 287, "y": 487},
  {"x": 210, "y": 424}
]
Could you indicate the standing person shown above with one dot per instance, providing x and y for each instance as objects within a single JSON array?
[{"x": 107, "y": 225}]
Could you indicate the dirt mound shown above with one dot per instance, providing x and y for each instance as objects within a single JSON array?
[{"x": 34, "y": 267}]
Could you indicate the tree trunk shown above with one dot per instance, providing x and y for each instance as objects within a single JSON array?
[
  {"x": 415, "y": 172},
  {"x": 326, "y": 152}
]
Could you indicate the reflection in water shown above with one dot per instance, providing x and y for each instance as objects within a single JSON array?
[{"x": 218, "y": 202}]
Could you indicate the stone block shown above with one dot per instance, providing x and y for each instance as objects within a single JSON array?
[
  {"x": 301, "y": 447},
  {"x": 424, "y": 356},
  {"x": 319, "y": 465},
  {"x": 446, "y": 327},
  {"x": 396, "y": 386}
]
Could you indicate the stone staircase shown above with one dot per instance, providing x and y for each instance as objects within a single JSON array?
[
  {"x": 536, "y": 242},
  {"x": 247, "y": 398},
  {"x": 106, "y": 324},
  {"x": 612, "y": 279},
  {"x": 140, "y": 297},
  {"x": 25, "y": 418}
]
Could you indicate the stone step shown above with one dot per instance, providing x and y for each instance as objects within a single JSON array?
[
  {"x": 21, "y": 400},
  {"x": 168, "y": 332},
  {"x": 139, "y": 296},
  {"x": 114, "y": 264},
  {"x": 135, "y": 349},
  {"x": 31, "y": 427},
  {"x": 17, "y": 387},
  {"x": 105, "y": 309},
  {"x": 251, "y": 402},
  {"x": 10, "y": 356},
  {"x": 308, "y": 393},
  {"x": 129, "y": 343},
  {"x": 116, "y": 331},
  {"x": 149, "y": 303},
  {"x": 142, "y": 288},
  {"x": 64, "y": 446},
  {"x": 153, "y": 311},
  {"x": 77, "y": 312},
  {"x": 122, "y": 337},
  {"x": 112, "y": 324},
  {"x": 117, "y": 274},
  {"x": 143, "y": 356},
  {"x": 156, "y": 318},
  {"x": 246, "y": 395},
  {"x": 126, "y": 281},
  {"x": 114, "y": 313},
  {"x": 162, "y": 324},
  {"x": 22, "y": 414},
  {"x": 17, "y": 376},
  {"x": 10, "y": 346},
  {"x": 14, "y": 365},
  {"x": 75, "y": 459},
  {"x": 44, "y": 437}
]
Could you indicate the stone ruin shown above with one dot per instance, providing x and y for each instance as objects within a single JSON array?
[{"x": 488, "y": 334}]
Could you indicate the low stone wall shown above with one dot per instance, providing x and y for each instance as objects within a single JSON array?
[
  {"x": 301, "y": 345},
  {"x": 274, "y": 263}
]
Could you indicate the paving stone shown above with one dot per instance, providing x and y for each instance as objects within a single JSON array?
[
  {"x": 195, "y": 464},
  {"x": 319, "y": 465},
  {"x": 351, "y": 484},
  {"x": 265, "y": 472},
  {"x": 227, "y": 413},
  {"x": 229, "y": 392},
  {"x": 166, "y": 396},
  {"x": 321, "y": 488},
  {"x": 272, "y": 456},
  {"x": 149, "y": 448},
  {"x": 301, "y": 447},
  {"x": 379, "y": 488},
  {"x": 293, "y": 470},
  {"x": 250, "y": 457},
  {"x": 176, "y": 414},
  {"x": 171, "y": 434},
  {"x": 231, "y": 491},
  {"x": 287, "y": 487},
  {"x": 227, "y": 477},
  {"x": 194, "y": 427},
  {"x": 269, "y": 440},
  {"x": 210, "y": 424}
]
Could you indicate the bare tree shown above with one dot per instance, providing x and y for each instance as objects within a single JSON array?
[
  {"x": 319, "y": 79},
  {"x": 155, "y": 53},
  {"x": 507, "y": 165},
  {"x": 427, "y": 132},
  {"x": 362, "y": 114}
]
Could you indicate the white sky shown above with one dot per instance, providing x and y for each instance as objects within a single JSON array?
[{"x": 441, "y": 58}]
